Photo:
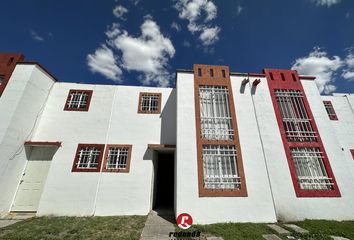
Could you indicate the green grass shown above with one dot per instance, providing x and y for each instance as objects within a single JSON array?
[
  {"x": 319, "y": 230},
  {"x": 93, "y": 228}
]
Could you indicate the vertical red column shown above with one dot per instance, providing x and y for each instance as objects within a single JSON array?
[
  {"x": 7, "y": 65},
  {"x": 301, "y": 139}
]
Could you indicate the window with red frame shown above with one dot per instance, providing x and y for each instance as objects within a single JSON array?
[
  {"x": 149, "y": 103},
  {"x": 330, "y": 110},
  {"x": 88, "y": 158},
  {"x": 78, "y": 100},
  {"x": 352, "y": 152},
  {"x": 117, "y": 158}
]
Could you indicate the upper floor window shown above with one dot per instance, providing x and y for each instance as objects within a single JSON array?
[
  {"x": 149, "y": 103},
  {"x": 296, "y": 121},
  {"x": 88, "y": 158},
  {"x": 117, "y": 158},
  {"x": 78, "y": 100},
  {"x": 215, "y": 117},
  {"x": 330, "y": 110}
]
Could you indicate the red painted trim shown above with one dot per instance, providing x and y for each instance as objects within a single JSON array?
[
  {"x": 7, "y": 66},
  {"x": 41, "y": 66},
  {"x": 291, "y": 82},
  {"x": 38, "y": 143},
  {"x": 329, "y": 107},
  {"x": 76, "y": 159},
  {"x": 154, "y": 146},
  {"x": 66, "y": 108},
  {"x": 352, "y": 152},
  {"x": 127, "y": 169}
]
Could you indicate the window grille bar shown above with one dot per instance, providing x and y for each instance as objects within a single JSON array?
[
  {"x": 296, "y": 122},
  {"x": 220, "y": 167},
  {"x": 88, "y": 157},
  {"x": 310, "y": 169},
  {"x": 215, "y": 114},
  {"x": 117, "y": 158}
]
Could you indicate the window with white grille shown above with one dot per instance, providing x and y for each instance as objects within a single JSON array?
[
  {"x": 117, "y": 158},
  {"x": 215, "y": 117},
  {"x": 78, "y": 100},
  {"x": 2, "y": 77},
  {"x": 330, "y": 110},
  {"x": 220, "y": 167},
  {"x": 296, "y": 121},
  {"x": 149, "y": 103},
  {"x": 310, "y": 169},
  {"x": 88, "y": 157}
]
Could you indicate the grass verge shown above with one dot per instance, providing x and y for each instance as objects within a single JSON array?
[{"x": 93, "y": 228}]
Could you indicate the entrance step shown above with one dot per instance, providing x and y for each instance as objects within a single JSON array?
[
  {"x": 271, "y": 237},
  {"x": 18, "y": 216},
  {"x": 296, "y": 228},
  {"x": 158, "y": 225},
  {"x": 278, "y": 229}
]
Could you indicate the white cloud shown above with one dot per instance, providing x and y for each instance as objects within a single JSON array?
[
  {"x": 104, "y": 62},
  {"x": 327, "y": 3},
  {"x": 199, "y": 13},
  {"x": 119, "y": 11},
  {"x": 176, "y": 26},
  {"x": 239, "y": 9},
  {"x": 320, "y": 65},
  {"x": 147, "y": 54},
  {"x": 348, "y": 72},
  {"x": 35, "y": 36},
  {"x": 209, "y": 35}
]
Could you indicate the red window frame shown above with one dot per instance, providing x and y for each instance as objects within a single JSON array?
[
  {"x": 76, "y": 159},
  {"x": 141, "y": 95},
  {"x": 330, "y": 110},
  {"x": 352, "y": 152},
  {"x": 125, "y": 170},
  {"x": 275, "y": 81},
  {"x": 86, "y": 108}
]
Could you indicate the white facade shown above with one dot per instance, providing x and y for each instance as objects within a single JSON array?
[{"x": 34, "y": 105}]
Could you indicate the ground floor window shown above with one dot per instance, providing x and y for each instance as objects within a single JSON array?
[
  {"x": 88, "y": 158},
  {"x": 117, "y": 158}
]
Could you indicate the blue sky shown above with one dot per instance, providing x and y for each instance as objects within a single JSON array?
[{"x": 134, "y": 42}]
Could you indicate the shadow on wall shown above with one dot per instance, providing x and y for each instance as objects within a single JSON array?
[{"x": 168, "y": 120}]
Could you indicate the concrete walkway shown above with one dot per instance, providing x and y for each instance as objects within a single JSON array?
[
  {"x": 158, "y": 225},
  {"x": 11, "y": 218}
]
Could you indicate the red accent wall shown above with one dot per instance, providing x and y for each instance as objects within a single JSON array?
[
  {"x": 289, "y": 79},
  {"x": 7, "y": 65}
]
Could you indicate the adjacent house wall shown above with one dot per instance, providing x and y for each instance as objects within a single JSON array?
[
  {"x": 21, "y": 107},
  {"x": 112, "y": 118},
  {"x": 288, "y": 206}
]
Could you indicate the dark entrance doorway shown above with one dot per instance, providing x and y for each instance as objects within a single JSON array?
[{"x": 165, "y": 181}]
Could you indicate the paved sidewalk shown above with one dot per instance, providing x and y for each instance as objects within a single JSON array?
[
  {"x": 11, "y": 218},
  {"x": 158, "y": 225}
]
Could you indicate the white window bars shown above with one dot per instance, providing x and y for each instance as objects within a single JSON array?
[
  {"x": 215, "y": 117},
  {"x": 77, "y": 100},
  {"x": 220, "y": 167},
  {"x": 150, "y": 102},
  {"x": 117, "y": 158},
  {"x": 296, "y": 121},
  {"x": 310, "y": 169},
  {"x": 330, "y": 110},
  {"x": 88, "y": 157}
]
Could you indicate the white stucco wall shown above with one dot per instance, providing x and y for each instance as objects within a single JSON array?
[
  {"x": 288, "y": 206},
  {"x": 112, "y": 119},
  {"x": 343, "y": 105},
  {"x": 21, "y": 106},
  {"x": 258, "y": 206}
]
